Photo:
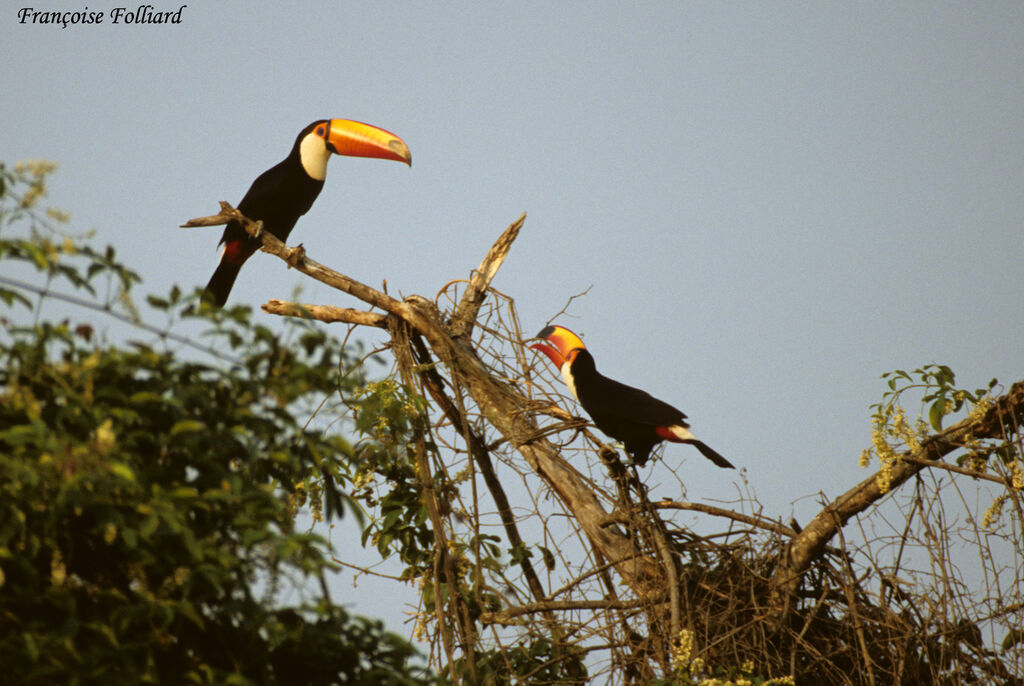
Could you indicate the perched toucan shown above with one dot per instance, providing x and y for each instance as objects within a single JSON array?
[
  {"x": 627, "y": 414},
  {"x": 286, "y": 191}
]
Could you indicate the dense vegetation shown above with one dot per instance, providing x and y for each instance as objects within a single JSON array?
[{"x": 148, "y": 499}]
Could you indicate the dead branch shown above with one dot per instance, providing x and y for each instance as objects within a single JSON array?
[
  {"x": 508, "y": 615},
  {"x": 809, "y": 543},
  {"x": 326, "y": 313},
  {"x": 326, "y": 275},
  {"x": 465, "y": 314},
  {"x": 227, "y": 213},
  {"x": 481, "y": 455},
  {"x": 759, "y": 522}
]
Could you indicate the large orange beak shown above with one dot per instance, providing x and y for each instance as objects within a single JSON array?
[
  {"x": 355, "y": 139},
  {"x": 564, "y": 342}
]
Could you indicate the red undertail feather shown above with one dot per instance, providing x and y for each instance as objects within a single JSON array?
[
  {"x": 231, "y": 261},
  {"x": 680, "y": 434}
]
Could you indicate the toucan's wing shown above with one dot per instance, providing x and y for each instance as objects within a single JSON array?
[{"x": 611, "y": 398}]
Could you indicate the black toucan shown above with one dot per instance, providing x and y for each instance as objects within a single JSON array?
[
  {"x": 627, "y": 414},
  {"x": 286, "y": 191}
]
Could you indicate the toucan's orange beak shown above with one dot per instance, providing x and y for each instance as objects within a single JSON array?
[
  {"x": 553, "y": 354},
  {"x": 355, "y": 139},
  {"x": 564, "y": 342}
]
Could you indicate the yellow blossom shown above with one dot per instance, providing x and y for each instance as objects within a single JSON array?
[
  {"x": 993, "y": 512},
  {"x": 980, "y": 408},
  {"x": 865, "y": 458},
  {"x": 1017, "y": 475},
  {"x": 683, "y": 649},
  {"x": 884, "y": 478},
  {"x": 61, "y": 217}
]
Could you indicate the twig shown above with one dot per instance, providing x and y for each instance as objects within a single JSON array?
[
  {"x": 759, "y": 522},
  {"x": 107, "y": 310},
  {"x": 465, "y": 314},
  {"x": 326, "y": 313},
  {"x": 508, "y": 614},
  {"x": 956, "y": 469}
]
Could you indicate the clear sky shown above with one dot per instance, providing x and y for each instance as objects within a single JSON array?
[{"x": 772, "y": 203}]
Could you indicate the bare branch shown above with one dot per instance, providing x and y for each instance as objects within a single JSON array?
[
  {"x": 508, "y": 615},
  {"x": 465, "y": 313},
  {"x": 1003, "y": 481},
  {"x": 296, "y": 258},
  {"x": 811, "y": 541},
  {"x": 227, "y": 213},
  {"x": 759, "y": 522},
  {"x": 326, "y": 313}
]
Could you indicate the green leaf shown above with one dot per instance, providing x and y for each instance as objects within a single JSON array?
[
  {"x": 189, "y": 611},
  {"x": 187, "y": 426},
  {"x": 123, "y": 471},
  {"x": 20, "y": 435},
  {"x": 31, "y": 646},
  {"x": 936, "y": 412}
]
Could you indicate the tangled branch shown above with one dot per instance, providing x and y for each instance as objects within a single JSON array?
[{"x": 621, "y": 577}]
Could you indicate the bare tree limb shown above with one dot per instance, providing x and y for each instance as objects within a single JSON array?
[
  {"x": 297, "y": 259},
  {"x": 1001, "y": 480},
  {"x": 481, "y": 455},
  {"x": 508, "y": 615},
  {"x": 809, "y": 543},
  {"x": 226, "y": 214},
  {"x": 465, "y": 314},
  {"x": 326, "y": 313},
  {"x": 759, "y": 522}
]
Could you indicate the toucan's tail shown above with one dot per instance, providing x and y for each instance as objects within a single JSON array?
[
  {"x": 222, "y": 281},
  {"x": 234, "y": 255},
  {"x": 711, "y": 454},
  {"x": 680, "y": 433}
]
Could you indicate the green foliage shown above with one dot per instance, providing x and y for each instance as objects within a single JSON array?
[
  {"x": 940, "y": 397},
  {"x": 387, "y": 414},
  {"x": 940, "y": 394},
  {"x": 21, "y": 190},
  {"x": 533, "y": 660},
  {"x": 147, "y": 501},
  {"x": 391, "y": 416}
]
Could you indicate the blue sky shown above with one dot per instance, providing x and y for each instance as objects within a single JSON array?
[{"x": 771, "y": 203}]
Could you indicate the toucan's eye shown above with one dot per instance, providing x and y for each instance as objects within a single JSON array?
[
  {"x": 321, "y": 130},
  {"x": 572, "y": 354}
]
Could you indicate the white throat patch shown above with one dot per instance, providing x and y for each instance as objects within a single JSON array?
[
  {"x": 313, "y": 154},
  {"x": 567, "y": 377}
]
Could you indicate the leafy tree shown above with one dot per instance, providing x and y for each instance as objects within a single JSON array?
[{"x": 148, "y": 500}]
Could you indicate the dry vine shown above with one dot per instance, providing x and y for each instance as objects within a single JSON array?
[{"x": 618, "y": 589}]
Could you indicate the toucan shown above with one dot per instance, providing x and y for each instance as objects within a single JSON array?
[
  {"x": 286, "y": 191},
  {"x": 627, "y": 414}
]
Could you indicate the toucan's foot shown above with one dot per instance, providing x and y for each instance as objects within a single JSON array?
[{"x": 295, "y": 256}]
